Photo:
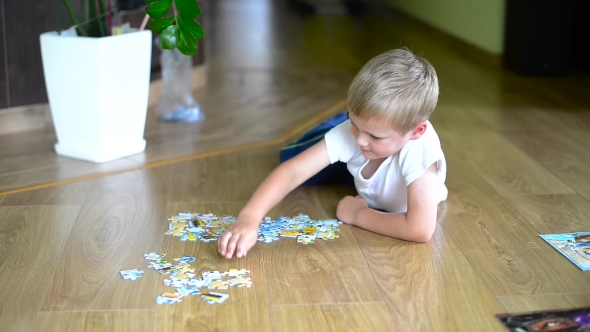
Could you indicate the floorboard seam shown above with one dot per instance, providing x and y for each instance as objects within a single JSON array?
[
  {"x": 278, "y": 140},
  {"x": 373, "y": 275},
  {"x": 546, "y": 294},
  {"x": 270, "y": 305},
  {"x": 327, "y": 303},
  {"x": 39, "y": 308}
]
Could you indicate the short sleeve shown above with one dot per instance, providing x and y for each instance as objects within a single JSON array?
[
  {"x": 418, "y": 155},
  {"x": 340, "y": 143}
]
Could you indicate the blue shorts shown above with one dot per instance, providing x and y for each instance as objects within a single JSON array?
[{"x": 334, "y": 173}]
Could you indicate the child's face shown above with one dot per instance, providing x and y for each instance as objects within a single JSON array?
[{"x": 376, "y": 138}]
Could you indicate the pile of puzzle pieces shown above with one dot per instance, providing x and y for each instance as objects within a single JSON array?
[
  {"x": 208, "y": 227},
  {"x": 182, "y": 278}
]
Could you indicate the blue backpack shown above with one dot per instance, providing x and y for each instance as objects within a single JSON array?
[{"x": 337, "y": 171}]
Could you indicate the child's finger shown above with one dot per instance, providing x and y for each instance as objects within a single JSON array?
[
  {"x": 231, "y": 245},
  {"x": 242, "y": 248},
  {"x": 222, "y": 243}
]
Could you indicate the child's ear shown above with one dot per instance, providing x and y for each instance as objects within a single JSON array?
[{"x": 418, "y": 131}]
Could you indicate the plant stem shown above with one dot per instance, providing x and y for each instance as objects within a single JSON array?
[
  {"x": 95, "y": 18},
  {"x": 175, "y": 13},
  {"x": 58, "y": 18},
  {"x": 109, "y": 17},
  {"x": 144, "y": 22},
  {"x": 94, "y": 9},
  {"x": 74, "y": 17},
  {"x": 103, "y": 9}
]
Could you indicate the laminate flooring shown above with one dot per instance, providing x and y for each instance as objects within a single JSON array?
[{"x": 517, "y": 153}]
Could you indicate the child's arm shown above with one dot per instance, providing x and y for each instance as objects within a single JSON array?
[
  {"x": 241, "y": 236},
  {"x": 417, "y": 225}
]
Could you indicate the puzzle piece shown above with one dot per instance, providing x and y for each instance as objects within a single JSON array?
[
  {"x": 212, "y": 275},
  {"x": 216, "y": 284},
  {"x": 236, "y": 272},
  {"x": 214, "y": 297},
  {"x": 169, "y": 298},
  {"x": 161, "y": 265},
  {"x": 309, "y": 230},
  {"x": 131, "y": 274},
  {"x": 239, "y": 281},
  {"x": 181, "y": 277},
  {"x": 289, "y": 233},
  {"x": 197, "y": 282},
  {"x": 208, "y": 227},
  {"x": 306, "y": 239},
  {"x": 185, "y": 259},
  {"x": 188, "y": 290},
  {"x": 154, "y": 256},
  {"x": 190, "y": 226}
]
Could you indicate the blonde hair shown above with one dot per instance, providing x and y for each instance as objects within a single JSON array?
[{"x": 396, "y": 86}]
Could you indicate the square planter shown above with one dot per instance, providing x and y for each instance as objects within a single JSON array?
[{"x": 98, "y": 91}]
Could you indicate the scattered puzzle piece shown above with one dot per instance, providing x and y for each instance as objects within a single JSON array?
[
  {"x": 239, "y": 281},
  {"x": 154, "y": 256},
  {"x": 212, "y": 275},
  {"x": 236, "y": 272},
  {"x": 306, "y": 239},
  {"x": 131, "y": 274},
  {"x": 216, "y": 284},
  {"x": 207, "y": 228},
  {"x": 182, "y": 278},
  {"x": 289, "y": 233},
  {"x": 215, "y": 297}
]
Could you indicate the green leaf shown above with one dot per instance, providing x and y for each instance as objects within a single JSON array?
[
  {"x": 159, "y": 24},
  {"x": 169, "y": 37},
  {"x": 189, "y": 8},
  {"x": 150, "y": 1},
  {"x": 189, "y": 26},
  {"x": 187, "y": 44},
  {"x": 159, "y": 8}
]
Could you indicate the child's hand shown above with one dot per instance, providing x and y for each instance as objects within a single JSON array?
[
  {"x": 348, "y": 207},
  {"x": 239, "y": 238}
]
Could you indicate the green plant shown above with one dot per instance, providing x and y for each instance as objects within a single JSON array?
[
  {"x": 179, "y": 30},
  {"x": 93, "y": 21}
]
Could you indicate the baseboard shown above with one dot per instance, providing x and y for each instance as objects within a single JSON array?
[
  {"x": 35, "y": 117},
  {"x": 454, "y": 43}
]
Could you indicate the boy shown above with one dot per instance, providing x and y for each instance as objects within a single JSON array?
[{"x": 389, "y": 147}]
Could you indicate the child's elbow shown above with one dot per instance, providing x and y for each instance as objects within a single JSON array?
[
  {"x": 424, "y": 234},
  {"x": 423, "y": 237}
]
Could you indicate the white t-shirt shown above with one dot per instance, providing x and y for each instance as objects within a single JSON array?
[{"x": 387, "y": 189}]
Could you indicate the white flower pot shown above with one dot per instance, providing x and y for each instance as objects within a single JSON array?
[{"x": 98, "y": 93}]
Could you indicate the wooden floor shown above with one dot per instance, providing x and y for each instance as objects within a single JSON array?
[{"x": 517, "y": 152}]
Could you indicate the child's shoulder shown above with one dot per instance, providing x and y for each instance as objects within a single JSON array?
[
  {"x": 340, "y": 132},
  {"x": 429, "y": 138},
  {"x": 426, "y": 147},
  {"x": 419, "y": 154},
  {"x": 340, "y": 143}
]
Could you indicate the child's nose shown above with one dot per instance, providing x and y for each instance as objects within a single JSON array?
[{"x": 361, "y": 141}]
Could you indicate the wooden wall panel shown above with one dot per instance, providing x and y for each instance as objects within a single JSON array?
[
  {"x": 21, "y": 79},
  {"x": 25, "y": 21},
  {"x": 3, "y": 79}
]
